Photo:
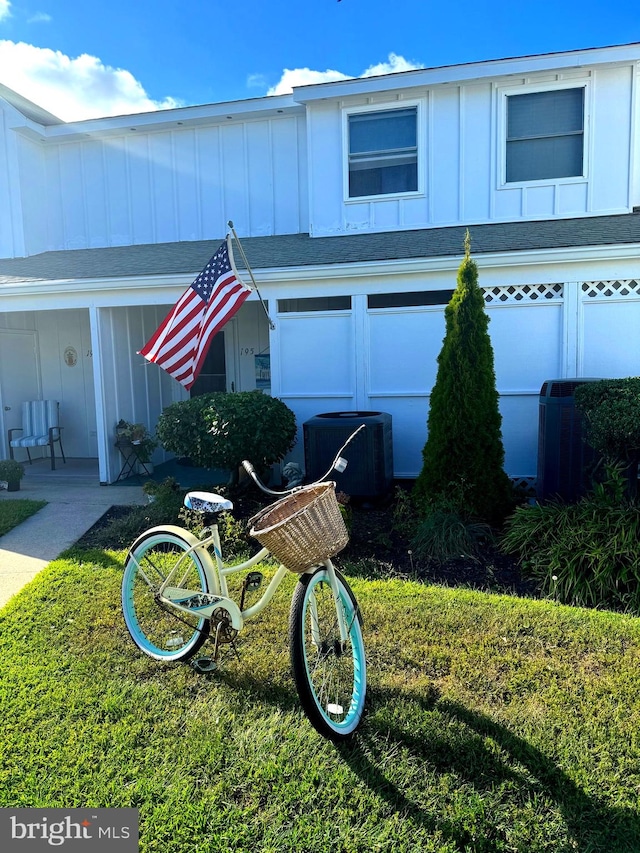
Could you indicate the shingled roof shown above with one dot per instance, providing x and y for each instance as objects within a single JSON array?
[{"x": 301, "y": 250}]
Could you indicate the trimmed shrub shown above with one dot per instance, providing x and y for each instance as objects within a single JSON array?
[
  {"x": 464, "y": 444},
  {"x": 611, "y": 409},
  {"x": 219, "y": 430},
  {"x": 585, "y": 553}
]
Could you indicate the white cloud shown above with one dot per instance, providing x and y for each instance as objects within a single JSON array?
[
  {"x": 256, "y": 81},
  {"x": 394, "y": 63},
  {"x": 5, "y": 9},
  {"x": 39, "y": 18},
  {"x": 73, "y": 89},
  {"x": 305, "y": 76}
]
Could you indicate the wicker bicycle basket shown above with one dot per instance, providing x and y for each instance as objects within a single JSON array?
[{"x": 302, "y": 529}]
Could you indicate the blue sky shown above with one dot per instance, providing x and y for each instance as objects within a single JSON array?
[{"x": 80, "y": 59}]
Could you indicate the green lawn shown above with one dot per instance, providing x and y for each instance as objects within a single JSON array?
[
  {"x": 494, "y": 724},
  {"x": 13, "y": 513}
]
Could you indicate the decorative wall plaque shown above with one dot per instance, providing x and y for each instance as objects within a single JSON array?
[{"x": 70, "y": 357}]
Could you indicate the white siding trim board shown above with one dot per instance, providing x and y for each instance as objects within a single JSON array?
[{"x": 564, "y": 62}]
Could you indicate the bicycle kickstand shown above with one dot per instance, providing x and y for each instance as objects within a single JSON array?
[{"x": 221, "y": 629}]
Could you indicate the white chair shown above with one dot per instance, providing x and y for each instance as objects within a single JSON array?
[{"x": 40, "y": 427}]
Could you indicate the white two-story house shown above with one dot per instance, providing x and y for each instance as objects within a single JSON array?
[{"x": 351, "y": 200}]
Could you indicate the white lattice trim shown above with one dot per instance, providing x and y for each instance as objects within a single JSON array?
[
  {"x": 603, "y": 289},
  {"x": 523, "y": 293},
  {"x": 526, "y": 485}
]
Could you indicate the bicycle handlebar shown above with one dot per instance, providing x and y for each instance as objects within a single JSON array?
[
  {"x": 338, "y": 464},
  {"x": 251, "y": 471}
]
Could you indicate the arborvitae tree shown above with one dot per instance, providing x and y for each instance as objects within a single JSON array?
[{"x": 464, "y": 455}]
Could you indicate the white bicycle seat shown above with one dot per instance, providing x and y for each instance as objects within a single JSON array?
[{"x": 207, "y": 502}]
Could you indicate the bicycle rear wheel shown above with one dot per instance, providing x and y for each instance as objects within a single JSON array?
[
  {"x": 331, "y": 677},
  {"x": 157, "y": 629}
]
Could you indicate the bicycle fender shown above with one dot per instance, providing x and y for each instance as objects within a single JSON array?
[{"x": 185, "y": 535}]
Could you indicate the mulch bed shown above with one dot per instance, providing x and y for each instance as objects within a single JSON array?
[
  {"x": 376, "y": 547},
  {"x": 491, "y": 570}
]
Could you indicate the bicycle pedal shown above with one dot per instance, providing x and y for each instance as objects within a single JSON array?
[
  {"x": 253, "y": 581},
  {"x": 204, "y": 665}
]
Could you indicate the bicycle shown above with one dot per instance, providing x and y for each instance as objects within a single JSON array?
[{"x": 175, "y": 594}]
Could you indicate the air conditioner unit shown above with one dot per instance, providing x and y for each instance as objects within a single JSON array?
[
  {"x": 369, "y": 472},
  {"x": 564, "y": 458}
]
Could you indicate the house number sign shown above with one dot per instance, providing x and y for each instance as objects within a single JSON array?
[{"x": 70, "y": 357}]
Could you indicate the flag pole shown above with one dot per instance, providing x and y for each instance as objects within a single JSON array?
[{"x": 253, "y": 281}]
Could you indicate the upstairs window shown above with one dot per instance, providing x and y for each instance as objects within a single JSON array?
[
  {"x": 383, "y": 152},
  {"x": 545, "y": 135}
]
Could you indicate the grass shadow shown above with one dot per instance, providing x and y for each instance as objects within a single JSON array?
[{"x": 463, "y": 742}]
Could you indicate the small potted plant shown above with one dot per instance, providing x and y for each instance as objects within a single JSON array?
[
  {"x": 11, "y": 472},
  {"x": 138, "y": 435},
  {"x": 122, "y": 431}
]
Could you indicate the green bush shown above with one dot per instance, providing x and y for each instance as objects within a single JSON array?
[
  {"x": 611, "y": 410},
  {"x": 234, "y": 534},
  {"x": 165, "y": 489},
  {"x": 445, "y": 533},
  {"x": 404, "y": 518},
  {"x": 219, "y": 430},
  {"x": 584, "y": 553},
  {"x": 346, "y": 510},
  {"x": 464, "y": 442}
]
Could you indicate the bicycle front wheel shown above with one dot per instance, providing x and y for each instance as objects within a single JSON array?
[
  {"x": 330, "y": 676},
  {"x": 159, "y": 630}
]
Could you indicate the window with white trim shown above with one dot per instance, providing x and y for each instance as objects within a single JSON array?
[
  {"x": 545, "y": 135},
  {"x": 383, "y": 152}
]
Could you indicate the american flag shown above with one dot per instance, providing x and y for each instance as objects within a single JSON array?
[{"x": 182, "y": 340}]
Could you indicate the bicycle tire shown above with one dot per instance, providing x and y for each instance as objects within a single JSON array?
[
  {"x": 159, "y": 631},
  {"x": 331, "y": 681}
]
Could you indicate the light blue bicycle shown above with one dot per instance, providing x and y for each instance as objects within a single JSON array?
[{"x": 175, "y": 595}]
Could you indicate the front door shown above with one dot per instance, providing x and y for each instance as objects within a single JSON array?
[
  {"x": 19, "y": 379},
  {"x": 213, "y": 376}
]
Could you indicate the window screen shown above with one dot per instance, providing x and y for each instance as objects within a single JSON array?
[
  {"x": 383, "y": 152},
  {"x": 314, "y": 303},
  {"x": 409, "y": 300},
  {"x": 545, "y": 135}
]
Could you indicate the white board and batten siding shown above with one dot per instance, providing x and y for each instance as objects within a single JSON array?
[
  {"x": 154, "y": 186},
  {"x": 461, "y": 155}
]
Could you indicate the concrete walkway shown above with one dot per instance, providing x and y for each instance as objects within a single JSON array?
[{"x": 73, "y": 506}]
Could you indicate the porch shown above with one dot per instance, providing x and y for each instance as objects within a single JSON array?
[{"x": 79, "y": 471}]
